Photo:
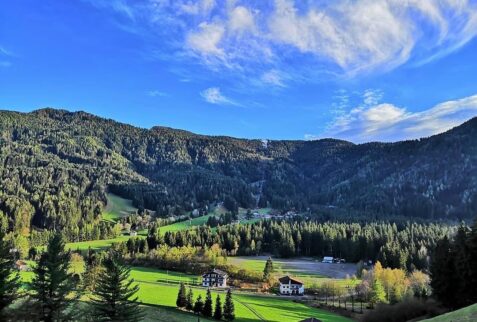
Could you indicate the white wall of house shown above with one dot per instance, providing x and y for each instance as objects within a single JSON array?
[{"x": 287, "y": 289}]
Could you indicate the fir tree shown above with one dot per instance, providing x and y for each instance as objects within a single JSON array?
[
  {"x": 53, "y": 287},
  {"x": 199, "y": 305},
  {"x": 207, "y": 310},
  {"x": 229, "y": 309},
  {"x": 268, "y": 269},
  {"x": 181, "y": 296},
  {"x": 190, "y": 300},
  {"x": 218, "y": 309},
  {"x": 9, "y": 279},
  {"x": 114, "y": 295}
]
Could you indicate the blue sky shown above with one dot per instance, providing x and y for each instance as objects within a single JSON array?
[{"x": 278, "y": 69}]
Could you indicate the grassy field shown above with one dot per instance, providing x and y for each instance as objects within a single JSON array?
[
  {"x": 97, "y": 244},
  {"x": 117, "y": 207},
  {"x": 186, "y": 224},
  {"x": 247, "y": 307},
  {"x": 158, "y": 289},
  {"x": 466, "y": 314}
]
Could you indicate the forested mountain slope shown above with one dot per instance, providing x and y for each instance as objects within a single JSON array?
[{"x": 55, "y": 167}]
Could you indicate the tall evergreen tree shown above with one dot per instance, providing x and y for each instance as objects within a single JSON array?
[
  {"x": 181, "y": 296},
  {"x": 207, "y": 310},
  {"x": 472, "y": 264},
  {"x": 114, "y": 297},
  {"x": 268, "y": 269},
  {"x": 53, "y": 287},
  {"x": 9, "y": 279},
  {"x": 190, "y": 300},
  {"x": 444, "y": 280},
  {"x": 198, "y": 305},
  {"x": 229, "y": 308},
  {"x": 218, "y": 309}
]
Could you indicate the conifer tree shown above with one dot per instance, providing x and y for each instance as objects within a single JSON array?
[
  {"x": 9, "y": 279},
  {"x": 53, "y": 287},
  {"x": 268, "y": 269},
  {"x": 207, "y": 310},
  {"x": 114, "y": 295},
  {"x": 181, "y": 296},
  {"x": 199, "y": 305},
  {"x": 190, "y": 300},
  {"x": 218, "y": 309},
  {"x": 229, "y": 309}
]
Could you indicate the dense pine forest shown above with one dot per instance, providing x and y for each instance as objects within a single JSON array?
[{"x": 56, "y": 166}]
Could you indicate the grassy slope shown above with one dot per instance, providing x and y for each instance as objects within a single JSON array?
[
  {"x": 117, "y": 207},
  {"x": 466, "y": 314}
]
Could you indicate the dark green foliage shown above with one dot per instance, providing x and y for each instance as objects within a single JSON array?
[
  {"x": 229, "y": 308},
  {"x": 9, "y": 278},
  {"x": 190, "y": 300},
  {"x": 218, "y": 308},
  {"x": 198, "y": 305},
  {"x": 53, "y": 287},
  {"x": 207, "y": 309},
  {"x": 114, "y": 294},
  {"x": 453, "y": 269},
  {"x": 398, "y": 245},
  {"x": 181, "y": 296},
  {"x": 56, "y": 167},
  {"x": 408, "y": 310},
  {"x": 268, "y": 269}
]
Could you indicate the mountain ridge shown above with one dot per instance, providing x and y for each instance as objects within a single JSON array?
[{"x": 56, "y": 166}]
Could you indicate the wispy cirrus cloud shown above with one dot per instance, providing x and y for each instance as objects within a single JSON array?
[
  {"x": 387, "y": 122},
  {"x": 340, "y": 37},
  {"x": 213, "y": 95}
]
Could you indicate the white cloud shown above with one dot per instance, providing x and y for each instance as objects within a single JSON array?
[
  {"x": 214, "y": 96},
  {"x": 387, "y": 122},
  {"x": 241, "y": 19},
  {"x": 206, "y": 40},
  {"x": 156, "y": 93},
  {"x": 305, "y": 38},
  {"x": 273, "y": 77},
  {"x": 372, "y": 96}
]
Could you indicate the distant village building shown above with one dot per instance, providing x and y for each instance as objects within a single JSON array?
[
  {"x": 21, "y": 265},
  {"x": 327, "y": 259},
  {"x": 291, "y": 286},
  {"x": 133, "y": 233},
  {"x": 214, "y": 278}
]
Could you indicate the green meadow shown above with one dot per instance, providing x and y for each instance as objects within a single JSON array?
[
  {"x": 247, "y": 307},
  {"x": 117, "y": 207}
]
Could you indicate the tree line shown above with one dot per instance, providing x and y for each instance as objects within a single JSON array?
[
  {"x": 395, "y": 244},
  {"x": 185, "y": 300}
]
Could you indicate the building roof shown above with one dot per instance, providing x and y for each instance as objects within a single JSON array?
[
  {"x": 311, "y": 320},
  {"x": 216, "y": 271},
  {"x": 287, "y": 279}
]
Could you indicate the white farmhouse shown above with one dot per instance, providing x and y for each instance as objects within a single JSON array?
[
  {"x": 214, "y": 278},
  {"x": 291, "y": 286}
]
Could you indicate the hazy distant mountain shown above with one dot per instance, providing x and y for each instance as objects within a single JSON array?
[{"x": 55, "y": 167}]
